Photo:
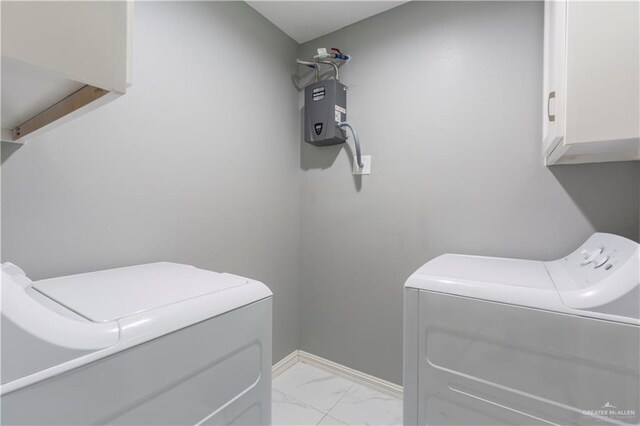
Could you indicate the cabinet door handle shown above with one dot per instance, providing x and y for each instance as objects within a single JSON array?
[{"x": 552, "y": 95}]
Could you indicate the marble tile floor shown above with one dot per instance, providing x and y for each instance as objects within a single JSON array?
[{"x": 307, "y": 395}]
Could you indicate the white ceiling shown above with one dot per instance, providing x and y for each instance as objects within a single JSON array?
[{"x": 306, "y": 20}]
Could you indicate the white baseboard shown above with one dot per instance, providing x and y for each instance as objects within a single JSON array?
[
  {"x": 339, "y": 370},
  {"x": 284, "y": 364}
]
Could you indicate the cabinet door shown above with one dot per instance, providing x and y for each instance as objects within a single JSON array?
[
  {"x": 602, "y": 72},
  {"x": 554, "y": 74}
]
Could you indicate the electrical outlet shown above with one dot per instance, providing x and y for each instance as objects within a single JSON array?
[{"x": 366, "y": 163}]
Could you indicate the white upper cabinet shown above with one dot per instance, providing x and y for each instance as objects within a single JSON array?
[
  {"x": 61, "y": 59},
  {"x": 591, "y": 106}
]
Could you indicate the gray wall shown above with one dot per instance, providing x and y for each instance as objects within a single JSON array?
[
  {"x": 447, "y": 100},
  {"x": 198, "y": 163}
]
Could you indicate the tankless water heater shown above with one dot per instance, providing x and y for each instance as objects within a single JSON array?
[{"x": 325, "y": 106}]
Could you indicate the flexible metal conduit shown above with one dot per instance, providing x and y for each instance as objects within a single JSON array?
[
  {"x": 356, "y": 141},
  {"x": 312, "y": 65},
  {"x": 335, "y": 67}
]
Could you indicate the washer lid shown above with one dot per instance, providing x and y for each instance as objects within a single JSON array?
[
  {"x": 116, "y": 293},
  {"x": 514, "y": 281}
]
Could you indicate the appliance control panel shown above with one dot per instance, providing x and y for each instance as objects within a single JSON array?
[
  {"x": 600, "y": 256},
  {"x": 603, "y": 269}
]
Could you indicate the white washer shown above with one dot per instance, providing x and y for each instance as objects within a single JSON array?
[
  {"x": 492, "y": 341},
  {"x": 161, "y": 343}
]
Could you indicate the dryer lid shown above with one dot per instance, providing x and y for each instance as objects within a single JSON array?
[
  {"x": 116, "y": 293},
  {"x": 513, "y": 281}
]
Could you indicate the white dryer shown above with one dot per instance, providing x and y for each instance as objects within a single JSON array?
[
  {"x": 161, "y": 343},
  {"x": 492, "y": 341}
]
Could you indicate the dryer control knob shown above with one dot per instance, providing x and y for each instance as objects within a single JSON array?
[
  {"x": 589, "y": 256},
  {"x": 600, "y": 260}
]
